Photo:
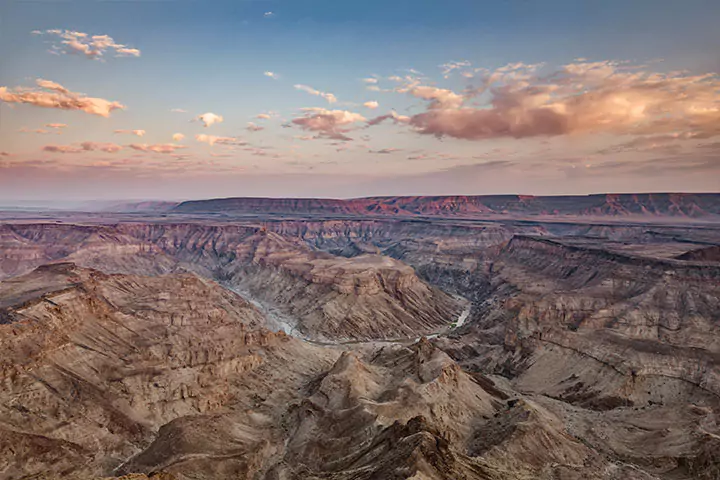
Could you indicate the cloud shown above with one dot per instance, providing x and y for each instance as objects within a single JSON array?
[
  {"x": 178, "y": 110},
  {"x": 209, "y": 119},
  {"x": 268, "y": 14},
  {"x": 59, "y": 97},
  {"x": 370, "y": 80},
  {"x": 139, "y": 133},
  {"x": 178, "y": 137},
  {"x": 157, "y": 148},
  {"x": 647, "y": 143},
  {"x": 598, "y": 97},
  {"x": 56, "y": 125},
  {"x": 372, "y": 105},
  {"x": 84, "y": 147},
  {"x": 439, "y": 97},
  {"x": 327, "y": 96},
  {"x": 37, "y": 130},
  {"x": 330, "y": 123},
  {"x": 337, "y": 136},
  {"x": 251, "y": 127},
  {"x": 212, "y": 140},
  {"x": 402, "y": 119},
  {"x": 62, "y": 149},
  {"x": 92, "y": 46},
  {"x": 50, "y": 85},
  {"x": 448, "y": 68},
  {"x": 272, "y": 75},
  {"x": 263, "y": 116},
  {"x": 103, "y": 147},
  {"x": 385, "y": 151}
]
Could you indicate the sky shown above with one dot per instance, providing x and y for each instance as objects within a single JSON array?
[{"x": 189, "y": 99}]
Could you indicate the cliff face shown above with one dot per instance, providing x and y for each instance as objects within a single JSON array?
[
  {"x": 655, "y": 204},
  {"x": 591, "y": 326}
]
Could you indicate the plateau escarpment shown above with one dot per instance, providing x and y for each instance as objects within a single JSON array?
[{"x": 644, "y": 205}]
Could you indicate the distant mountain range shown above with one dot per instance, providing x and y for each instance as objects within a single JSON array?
[{"x": 689, "y": 205}]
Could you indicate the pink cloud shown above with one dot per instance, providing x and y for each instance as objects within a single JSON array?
[
  {"x": 84, "y": 147},
  {"x": 598, "y": 97},
  {"x": 138, "y": 133},
  {"x": 327, "y": 122},
  {"x": 62, "y": 149},
  {"x": 103, "y": 147},
  {"x": 439, "y": 97},
  {"x": 37, "y": 130},
  {"x": 212, "y": 140},
  {"x": 157, "y": 148},
  {"x": 59, "y": 97},
  {"x": 394, "y": 116},
  {"x": 92, "y": 46}
]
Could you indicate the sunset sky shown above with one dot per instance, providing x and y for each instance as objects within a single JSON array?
[{"x": 194, "y": 99}]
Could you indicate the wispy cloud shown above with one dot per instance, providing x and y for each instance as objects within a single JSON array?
[
  {"x": 157, "y": 148},
  {"x": 83, "y": 147},
  {"x": 62, "y": 149},
  {"x": 394, "y": 116},
  {"x": 138, "y": 133},
  {"x": 91, "y": 46},
  {"x": 450, "y": 67},
  {"x": 212, "y": 140},
  {"x": 36, "y": 130},
  {"x": 272, "y": 75},
  {"x": 385, "y": 151},
  {"x": 327, "y": 96}
]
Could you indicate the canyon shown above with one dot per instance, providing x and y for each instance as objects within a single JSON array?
[{"x": 428, "y": 338}]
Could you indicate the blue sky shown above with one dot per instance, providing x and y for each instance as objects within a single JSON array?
[{"x": 211, "y": 57}]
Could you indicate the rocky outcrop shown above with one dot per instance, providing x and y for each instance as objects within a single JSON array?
[{"x": 96, "y": 363}]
